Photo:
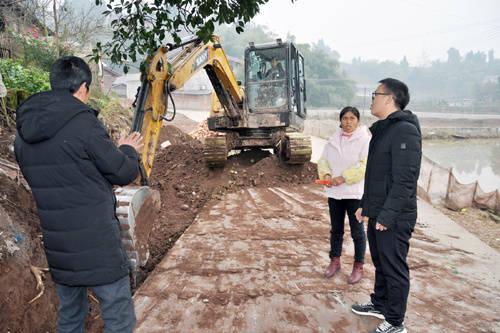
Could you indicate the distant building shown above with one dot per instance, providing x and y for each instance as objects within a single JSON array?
[
  {"x": 126, "y": 85},
  {"x": 491, "y": 79},
  {"x": 464, "y": 103}
]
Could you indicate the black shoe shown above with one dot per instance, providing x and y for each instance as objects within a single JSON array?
[
  {"x": 385, "y": 327},
  {"x": 367, "y": 309}
]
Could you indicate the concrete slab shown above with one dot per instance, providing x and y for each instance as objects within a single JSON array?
[{"x": 254, "y": 262}]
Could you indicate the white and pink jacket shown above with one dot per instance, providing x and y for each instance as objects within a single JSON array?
[{"x": 345, "y": 156}]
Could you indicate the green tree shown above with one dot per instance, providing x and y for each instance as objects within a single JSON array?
[
  {"x": 140, "y": 26},
  {"x": 234, "y": 44},
  {"x": 326, "y": 85},
  {"x": 454, "y": 56}
]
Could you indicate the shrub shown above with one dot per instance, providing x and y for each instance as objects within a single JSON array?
[
  {"x": 31, "y": 79},
  {"x": 38, "y": 50}
]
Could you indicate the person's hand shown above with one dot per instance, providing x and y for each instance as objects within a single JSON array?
[
  {"x": 337, "y": 181},
  {"x": 328, "y": 178},
  {"x": 133, "y": 140},
  {"x": 380, "y": 227},
  {"x": 360, "y": 217}
]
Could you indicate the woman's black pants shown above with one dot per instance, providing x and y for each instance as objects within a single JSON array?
[{"x": 338, "y": 209}]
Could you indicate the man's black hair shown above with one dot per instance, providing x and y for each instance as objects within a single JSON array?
[
  {"x": 399, "y": 91},
  {"x": 68, "y": 73},
  {"x": 349, "y": 109}
]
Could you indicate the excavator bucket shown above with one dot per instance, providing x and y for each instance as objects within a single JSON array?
[{"x": 136, "y": 209}]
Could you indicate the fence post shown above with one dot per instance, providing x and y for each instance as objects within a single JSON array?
[
  {"x": 429, "y": 182},
  {"x": 448, "y": 186},
  {"x": 474, "y": 194}
]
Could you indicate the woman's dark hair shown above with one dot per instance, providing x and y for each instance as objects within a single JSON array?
[
  {"x": 68, "y": 73},
  {"x": 349, "y": 109}
]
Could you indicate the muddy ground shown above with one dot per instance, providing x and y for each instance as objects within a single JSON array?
[
  {"x": 185, "y": 185},
  {"x": 254, "y": 262}
]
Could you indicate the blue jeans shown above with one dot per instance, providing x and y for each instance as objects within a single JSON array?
[{"x": 115, "y": 301}]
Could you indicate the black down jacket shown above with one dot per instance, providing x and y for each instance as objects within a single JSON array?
[
  {"x": 71, "y": 164},
  {"x": 392, "y": 169}
]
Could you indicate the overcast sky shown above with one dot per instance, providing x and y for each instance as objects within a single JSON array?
[{"x": 423, "y": 30}]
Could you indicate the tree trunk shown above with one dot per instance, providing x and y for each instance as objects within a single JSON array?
[{"x": 56, "y": 25}]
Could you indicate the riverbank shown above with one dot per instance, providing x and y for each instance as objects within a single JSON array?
[{"x": 478, "y": 222}]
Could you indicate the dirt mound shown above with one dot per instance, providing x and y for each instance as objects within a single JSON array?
[
  {"x": 17, "y": 283},
  {"x": 183, "y": 123}
]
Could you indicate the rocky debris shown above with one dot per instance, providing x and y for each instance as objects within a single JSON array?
[
  {"x": 202, "y": 131},
  {"x": 7, "y": 137}
]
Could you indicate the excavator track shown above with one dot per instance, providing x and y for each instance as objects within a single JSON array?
[
  {"x": 215, "y": 152},
  {"x": 297, "y": 148}
]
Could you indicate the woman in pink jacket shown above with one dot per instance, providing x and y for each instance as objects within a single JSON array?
[{"x": 343, "y": 163}]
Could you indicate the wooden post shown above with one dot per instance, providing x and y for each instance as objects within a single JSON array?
[
  {"x": 5, "y": 111},
  {"x": 429, "y": 182},
  {"x": 449, "y": 181}
]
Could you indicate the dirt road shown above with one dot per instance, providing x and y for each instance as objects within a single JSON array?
[{"x": 253, "y": 262}]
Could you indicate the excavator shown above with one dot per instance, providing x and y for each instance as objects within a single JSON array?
[{"x": 267, "y": 112}]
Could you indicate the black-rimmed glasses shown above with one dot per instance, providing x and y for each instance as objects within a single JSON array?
[{"x": 374, "y": 94}]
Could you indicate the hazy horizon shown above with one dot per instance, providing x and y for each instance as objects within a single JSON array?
[{"x": 421, "y": 30}]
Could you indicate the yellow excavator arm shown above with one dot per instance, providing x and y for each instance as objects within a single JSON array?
[
  {"x": 274, "y": 109},
  {"x": 167, "y": 73}
]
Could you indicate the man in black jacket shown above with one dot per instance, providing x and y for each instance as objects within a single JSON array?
[
  {"x": 71, "y": 164},
  {"x": 390, "y": 202}
]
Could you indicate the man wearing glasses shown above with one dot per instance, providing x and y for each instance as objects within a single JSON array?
[{"x": 389, "y": 202}]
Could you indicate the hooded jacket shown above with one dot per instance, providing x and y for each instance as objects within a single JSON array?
[
  {"x": 71, "y": 165},
  {"x": 392, "y": 170},
  {"x": 347, "y": 158}
]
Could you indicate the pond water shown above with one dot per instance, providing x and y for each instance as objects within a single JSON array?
[{"x": 470, "y": 159}]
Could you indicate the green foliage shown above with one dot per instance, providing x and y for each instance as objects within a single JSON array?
[
  {"x": 326, "y": 85},
  {"x": 141, "y": 26},
  {"x": 38, "y": 50},
  {"x": 13, "y": 99},
  {"x": 101, "y": 101},
  {"x": 234, "y": 44},
  {"x": 31, "y": 79}
]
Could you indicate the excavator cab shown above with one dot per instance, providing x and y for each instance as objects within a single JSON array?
[
  {"x": 272, "y": 111},
  {"x": 275, "y": 82}
]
